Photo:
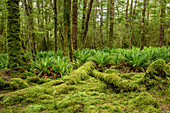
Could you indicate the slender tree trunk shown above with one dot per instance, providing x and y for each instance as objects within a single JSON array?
[
  {"x": 126, "y": 17},
  {"x": 86, "y": 23},
  {"x": 148, "y": 10},
  {"x": 108, "y": 14},
  {"x": 30, "y": 4},
  {"x": 94, "y": 24},
  {"x": 112, "y": 4},
  {"x": 101, "y": 23},
  {"x": 67, "y": 12},
  {"x": 162, "y": 21},
  {"x": 130, "y": 24},
  {"x": 15, "y": 50},
  {"x": 143, "y": 41},
  {"x": 74, "y": 23},
  {"x": 55, "y": 23},
  {"x": 83, "y": 20}
]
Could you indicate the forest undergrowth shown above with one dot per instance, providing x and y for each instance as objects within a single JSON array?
[{"x": 98, "y": 81}]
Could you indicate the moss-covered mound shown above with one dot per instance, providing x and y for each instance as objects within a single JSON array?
[
  {"x": 145, "y": 102},
  {"x": 117, "y": 82},
  {"x": 157, "y": 74},
  {"x": 18, "y": 83},
  {"x": 158, "y": 69}
]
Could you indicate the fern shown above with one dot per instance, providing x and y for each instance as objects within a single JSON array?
[
  {"x": 3, "y": 61},
  {"x": 62, "y": 66}
]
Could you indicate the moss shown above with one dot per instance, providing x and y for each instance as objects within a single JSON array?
[
  {"x": 34, "y": 108},
  {"x": 117, "y": 109},
  {"x": 81, "y": 73},
  {"x": 158, "y": 68},
  {"x": 15, "y": 50},
  {"x": 1, "y": 96},
  {"x": 18, "y": 83},
  {"x": 105, "y": 106},
  {"x": 132, "y": 76},
  {"x": 118, "y": 84},
  {"x": 111, "y": 71},
  {"x": 53, "y": 83},
  {"x": 2, "y": 83},
  {"x": 143, "y": 101},
  {"x": 33, "y": 79},
  {"x": 156, "y": 74},
  {"x": 45, "y": 96}
]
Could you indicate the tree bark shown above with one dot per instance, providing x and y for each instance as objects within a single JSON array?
[
  {"x": 55, "y": 23},
  {"x": 83, "y": 20},
  {"x": 143, "y": 41},
  {"x": 130, "y": 24},
  {"x": 86, "y": 23},
  {"x": 15, "y": 50},
  {"x": 126, "y": 17},
  {"x": 101, "y": 23},
  {"x": 67, "y": 12},
  {"x": 162, "y": 22},
  {"x": 112, "y": 4},
  {"x": 74, "y": 23}
]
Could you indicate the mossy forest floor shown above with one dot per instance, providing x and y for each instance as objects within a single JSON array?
[{"x": 85, "y": 94}]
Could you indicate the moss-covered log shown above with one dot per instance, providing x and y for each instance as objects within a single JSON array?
[
  {"x": 117, "y": 82},
  {"x": 15, "y": 51},
  {"x": 80, "y": 74},
  {"x": 51, "y": 88}
]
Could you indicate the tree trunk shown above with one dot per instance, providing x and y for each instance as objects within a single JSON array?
[
  {"x": 112, "y": 3},
  {"x": 101, "y": 23},
  {"x": 130, "y": 24},
  {"x": 107, "y": 23},
  {"x": 67, "y": 12},
  {"x": 148, "y": 11},
  {"x": 162, "y": 22},
  {"x": 83, "y": 20},
  {"x": 86, "y": 23},
  {"x": 55, "y": 23},
  {"x": 74, "y": 23},
  {"x": 126, "y": 17},
  {"x": 30, "y": 4},
  {"x": 15, "y": 50},
  {"x": 143, "y": 41}
]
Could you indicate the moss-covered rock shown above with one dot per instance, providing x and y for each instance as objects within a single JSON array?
[{"x": 18, "y": 83}]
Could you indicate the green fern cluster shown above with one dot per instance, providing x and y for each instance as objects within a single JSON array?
[
  {"x": 3, "y": 61},
  {"x": 51, "y": 65}
]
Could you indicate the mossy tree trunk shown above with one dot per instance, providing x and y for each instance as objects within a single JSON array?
[
  {"x": 143, "y": 40},
  {"x": 162, "y": 22},
  {"x": 55, "y": 22},
  {"x": 112, "y": 10},
  {"x": 15, "y": 51},
  {"x": 74, "y": 23},
  {"x": 67, "y": 28}
]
